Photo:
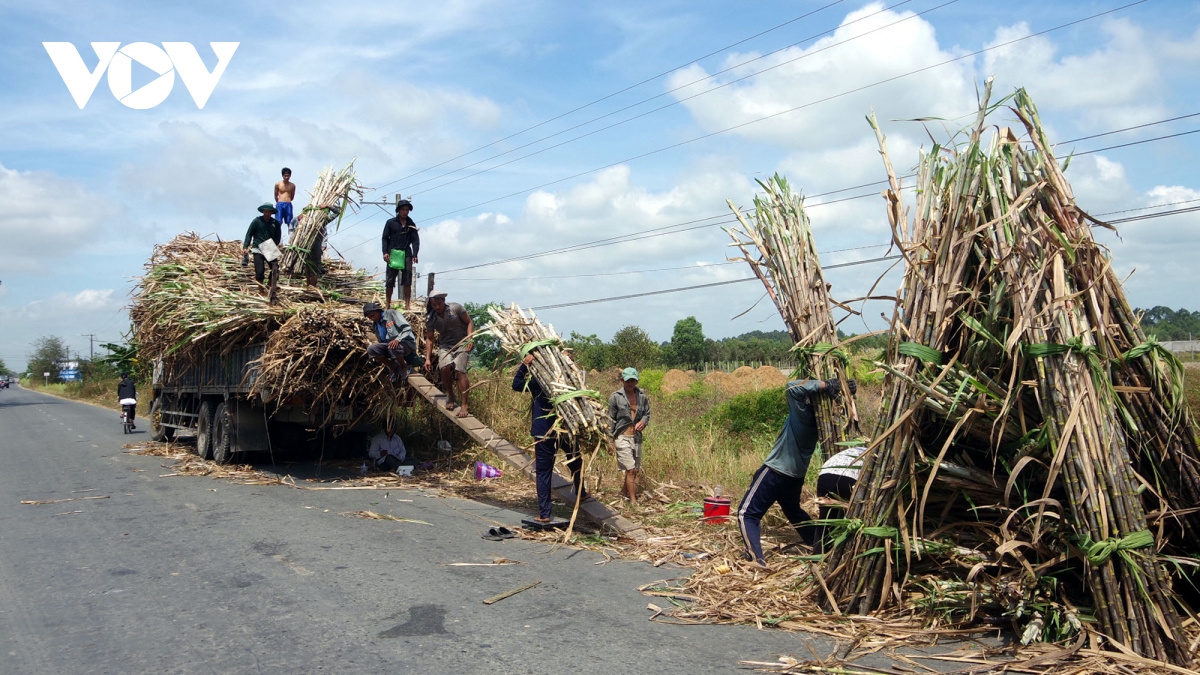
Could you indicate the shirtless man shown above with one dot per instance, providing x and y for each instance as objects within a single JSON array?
[{"x": 285, "y": 192}]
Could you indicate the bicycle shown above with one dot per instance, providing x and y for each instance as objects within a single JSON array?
[{"x": 128, "y": 413}]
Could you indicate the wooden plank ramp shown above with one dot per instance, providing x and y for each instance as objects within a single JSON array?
[{"x": 591, "y": 509}]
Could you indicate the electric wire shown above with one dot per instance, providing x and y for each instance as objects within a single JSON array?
[{"x": 618, "y": 92}]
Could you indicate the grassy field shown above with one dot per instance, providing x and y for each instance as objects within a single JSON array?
[{"x": 99, "y": 392}]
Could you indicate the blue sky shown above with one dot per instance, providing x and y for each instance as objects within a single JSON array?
[{"x": 85, "y": 194}]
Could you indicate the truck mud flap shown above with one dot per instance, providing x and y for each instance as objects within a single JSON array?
[{"x": 250, "y": 428}]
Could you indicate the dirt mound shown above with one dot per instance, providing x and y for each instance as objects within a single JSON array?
[
  {"x": 770, "y": 376},
  {"x": 675, "y": 381},
  {"x": 721, "y": 380}
]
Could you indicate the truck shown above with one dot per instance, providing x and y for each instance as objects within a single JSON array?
[{"x": 212, "y": 397}]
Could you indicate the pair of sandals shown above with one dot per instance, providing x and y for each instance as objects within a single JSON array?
[{"x": 499, "y": 533}]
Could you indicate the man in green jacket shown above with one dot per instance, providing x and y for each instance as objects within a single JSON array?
[{"x": 261, "y": 229}]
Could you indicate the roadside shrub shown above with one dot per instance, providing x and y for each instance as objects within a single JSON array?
[{"x": 754, "y": 412}]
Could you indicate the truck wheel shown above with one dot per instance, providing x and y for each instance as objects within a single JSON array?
[
  {"x": 158, "y": 432},
  {"x": 222, "y": 436},
  {"x": 204, "y": 431}
]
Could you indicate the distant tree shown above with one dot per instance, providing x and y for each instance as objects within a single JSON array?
[
  {"x": 4, "y": 369},
  {"x": 590, "y": 351},
  {"x": 487, "y": 351},
  {"x": 687, "y": 343},
  {"x": 121, "y": 358},
  {"x": 632, "y": 346},
  {"x": 49, "y": 352},
  {"x": 1165, "y": 323}
]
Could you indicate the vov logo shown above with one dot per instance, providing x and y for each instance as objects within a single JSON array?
[{"x": 171, "y": 58}]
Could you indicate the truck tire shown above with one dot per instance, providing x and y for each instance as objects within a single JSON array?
[
  {"x": 158, "y": 432},
  {"x": 204, "y": 431},
  {"x": 222, "y": 436}
]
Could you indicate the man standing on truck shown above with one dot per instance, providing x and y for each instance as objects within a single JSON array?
[
  {"x": 781, "y": 477},
  {"x": 285, "y": 192},
  {"x": 397, "y": 343},
  {"x": 455, "y": 329},
  {"x": 401, "y": 243},
  {"x": 261, "y": 229}
]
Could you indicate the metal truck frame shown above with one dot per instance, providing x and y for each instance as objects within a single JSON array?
[{"x": 212, "y": 397}]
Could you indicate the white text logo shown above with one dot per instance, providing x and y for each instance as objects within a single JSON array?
[{"x": 171, "y": 58}]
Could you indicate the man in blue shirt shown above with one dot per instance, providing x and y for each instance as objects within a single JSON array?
[
  {"x": 397, "y": 344},
  {"x": 781, "y": 477},
  {"x": 546, "y": 444}
]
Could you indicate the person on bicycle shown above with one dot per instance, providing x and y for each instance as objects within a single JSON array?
[{"x": 127, "y": 396}]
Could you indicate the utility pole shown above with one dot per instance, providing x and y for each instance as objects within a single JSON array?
[{"x": 91, "y": 345}]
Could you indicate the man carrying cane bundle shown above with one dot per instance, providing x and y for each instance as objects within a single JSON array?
[
  {"x": 781, "y": 477},
  {"x": 547, "y": 443}
]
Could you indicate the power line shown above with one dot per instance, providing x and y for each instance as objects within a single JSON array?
[
  {"x": 691, "y": 288},
  {"x": 799, "y": 107},
  {"x": 1144, "y": 208},
  {"x": 618, "y": 92},
  {"x": 1146, "y": 140},
  {"x": 657, "y": 269},
  {"x": 673, "y": 103}
]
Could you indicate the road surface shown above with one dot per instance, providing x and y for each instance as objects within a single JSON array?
[{"x": 194, "y": 575}]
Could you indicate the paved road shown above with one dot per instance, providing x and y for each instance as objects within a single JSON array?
[{"x": 192, "y": 575}]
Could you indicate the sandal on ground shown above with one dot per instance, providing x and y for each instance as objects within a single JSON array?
[
  {"x": 493, "y": 535},
  {"x": 505, "y": 533}
]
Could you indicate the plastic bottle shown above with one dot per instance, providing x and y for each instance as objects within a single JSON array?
[
  {"x": 364, "y": 469},
  {"x": 717, "y": 490}
]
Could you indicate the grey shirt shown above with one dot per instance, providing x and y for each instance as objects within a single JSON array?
[
  {"x": 622, "y": 416},
  {"x": 450, "y": 326}
]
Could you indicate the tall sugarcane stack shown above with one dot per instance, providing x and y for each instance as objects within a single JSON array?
[
  {"x": 777, "y": 242},
  {"x": 578, "y": 409},
  {"x": 197, "y": 298},
  {"x": 1015, "y": 357},
  {"x": 329, "y": 199}
]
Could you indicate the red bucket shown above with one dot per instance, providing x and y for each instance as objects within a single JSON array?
[{"x": 716, "y": 510}]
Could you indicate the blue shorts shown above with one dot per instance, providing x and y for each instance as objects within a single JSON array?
[{"x": 283, "y": 213}]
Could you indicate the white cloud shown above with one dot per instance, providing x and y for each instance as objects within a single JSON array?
[
  {"x": 1118, "y": 84},
  {"x": 826, "y": 70},
  {"x": 46, "y": 219}
]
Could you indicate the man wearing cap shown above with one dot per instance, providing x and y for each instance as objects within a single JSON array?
[
  {"x": 261, "y": 229},
  {"x": 781, "y": 477},
  {"x": 629, "y": 413},
  {"x": 454, "y": 328},
  {"x": 400, "y": 238},
  {"x": 397, "y": 344}
]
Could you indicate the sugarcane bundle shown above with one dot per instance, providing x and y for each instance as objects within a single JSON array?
[
  {"x": 329, "y": 199},
  {"x": 579, "y": 410},
  {"x": 197, "y": 298},
  {"x": 1008, "y": 303},
  {"x": 777, "y": 242}
]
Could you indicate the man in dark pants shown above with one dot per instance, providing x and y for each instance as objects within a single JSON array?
[
  {"x": 781, "y": 477},
  {"x": 126, "y": 392},
  {"x": 545, "y": 446},
  {"x": 400, "y": 234},
  {"x": 261, "y": 229},
  {"x": 397, "y": 344}
]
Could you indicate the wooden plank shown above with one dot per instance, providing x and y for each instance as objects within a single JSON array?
[{"x": 593, "y": 510}]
